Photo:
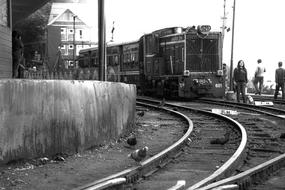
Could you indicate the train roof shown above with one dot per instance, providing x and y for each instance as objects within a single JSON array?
[
  {"x": 178, "y": 30},
  {"x": 182, "y": 33},
  {"x": 112, "y": 44},
  {"x": 163, "y": 33}
]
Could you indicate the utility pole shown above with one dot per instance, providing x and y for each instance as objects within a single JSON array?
[
  {"x": 224, "y": 18},
  {"x": 101, "y": 41},
  {"x": 74, "y": 45},
  {"x": 232, "y": 50}
]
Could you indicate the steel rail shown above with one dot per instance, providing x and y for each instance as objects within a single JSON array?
[
  {"x": 134, "y": 173},
  {"x": 248, "y": 177},
  {"x": 264, "y": 98},
  {"x": 231, "y": 164},
  {"x": 246, "y": 106}
]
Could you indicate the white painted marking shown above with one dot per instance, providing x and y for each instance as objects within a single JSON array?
[
  {"x": 263, "y": 103},
  {"x": 179, "y": 185},
  {"x": 225, "y": 112}
]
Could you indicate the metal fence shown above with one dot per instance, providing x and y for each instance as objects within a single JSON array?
[{"x": 69, "y": 74}]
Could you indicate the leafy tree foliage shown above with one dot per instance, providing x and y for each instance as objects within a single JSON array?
[{"x": 33, "y": 32}]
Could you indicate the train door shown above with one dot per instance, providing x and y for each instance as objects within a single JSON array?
[
  {"x": 174, "y": 63},
  {"x": 178, "y": 59},
  {"x": 151, "y": 62}
]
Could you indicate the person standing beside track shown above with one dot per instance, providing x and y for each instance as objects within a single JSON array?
[
  {"x": 17, "y": 52},
  {"x": 240, "y": 80},
  {"x": 280, "y": 80},
  {"x": 259, "y": 77}
]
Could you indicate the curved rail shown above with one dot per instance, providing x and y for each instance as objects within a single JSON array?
[
  {"x": 268, "y": 98},
  {"x": 134, "y": 173},
  {"x": 246, "y": 178},
  {"x": 228, "y": 167},
  {"x": 247, "y": 107}
]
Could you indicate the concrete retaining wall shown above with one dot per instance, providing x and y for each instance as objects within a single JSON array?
[{"x": 44, "y": 117}]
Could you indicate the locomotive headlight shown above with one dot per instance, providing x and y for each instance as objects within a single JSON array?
[
  {"x": 204, "y": 29},
  {"x": 186, "y": 73},
  {"x": 220, "y": 73}
]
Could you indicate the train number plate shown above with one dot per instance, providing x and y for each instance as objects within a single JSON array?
[{"x": 219, "y": 85}]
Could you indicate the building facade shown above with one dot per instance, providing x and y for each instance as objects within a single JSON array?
[
  {"x": 5, "y": 40},
  {"x": 67, "y": 34}
]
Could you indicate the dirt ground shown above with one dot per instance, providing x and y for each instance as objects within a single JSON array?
[{"x": 68, "y": 172}]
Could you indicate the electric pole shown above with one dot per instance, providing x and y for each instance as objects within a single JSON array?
[
  {"x": 74, "y": 45},
  {"x": 101, "y": 41},
  {"x": 232, "y": 50},
  {"x": 224, "y": 18}
]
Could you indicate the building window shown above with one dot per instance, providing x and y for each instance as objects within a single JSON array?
[
  {"x": 63, "y": 34},
  {"x": 63, "y": 49},
  {"x": 4, "y": 13},
  {"x": 70, "y": 34},
  {"x": 116, "y": 59},
  {"x": 70, "y": 63},
  {"x": 80, "y": 34}
]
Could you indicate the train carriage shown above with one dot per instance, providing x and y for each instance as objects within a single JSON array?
[{"x": 129, "y": 70}]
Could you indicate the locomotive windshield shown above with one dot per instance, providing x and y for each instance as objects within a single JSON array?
[{"x": 202, "y": 53}]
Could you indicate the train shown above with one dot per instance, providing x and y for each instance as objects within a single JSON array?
[{"x": 183, "y": 62}]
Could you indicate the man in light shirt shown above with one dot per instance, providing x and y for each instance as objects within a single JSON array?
[{"x": 259, "y": 77}]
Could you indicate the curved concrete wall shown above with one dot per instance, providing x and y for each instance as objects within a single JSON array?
[{"x": 44, "y": 117}]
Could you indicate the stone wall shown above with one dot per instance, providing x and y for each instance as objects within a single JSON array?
[{"x": 44, "y": 117}]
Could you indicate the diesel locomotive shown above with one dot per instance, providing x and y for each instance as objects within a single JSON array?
[{"x": 171, "y": 62}]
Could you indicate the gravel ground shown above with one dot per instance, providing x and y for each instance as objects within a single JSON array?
[{"x": 154, "y": 130}]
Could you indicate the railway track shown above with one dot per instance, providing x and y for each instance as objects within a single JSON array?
[
  {"x": 202, "y": 164},
  {"x": 203, "y": 160},
  {"x": 267, "y": 110},
  {"x": 125, "y": 178},
  {"x": 279, "y": 103},
  {"x": 217, "y": 157},
  {"x": 265, "y": 155}
]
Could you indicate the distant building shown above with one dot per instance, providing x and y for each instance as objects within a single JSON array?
[
  {"x": 12, "y": 12},
  {"x": 67, "y": 33}
]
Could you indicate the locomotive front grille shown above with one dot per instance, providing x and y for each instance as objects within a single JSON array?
[{"x": 202, "y": 54}]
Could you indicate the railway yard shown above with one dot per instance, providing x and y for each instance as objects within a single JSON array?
[
  {"x": 153, "y": 106},
  {"x": 201, "y": 144}
]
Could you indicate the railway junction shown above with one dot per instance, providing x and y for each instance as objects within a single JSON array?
[
  {"x": 240, "y": 147},
  {"x": 90, "y": 134}
]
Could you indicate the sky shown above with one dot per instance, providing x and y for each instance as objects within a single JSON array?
[{"x": 258, "y": 30}]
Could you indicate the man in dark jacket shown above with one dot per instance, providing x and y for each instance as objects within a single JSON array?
[
  {"x": 240, "y": 80},
  {"x": 279, "y": 79},
  {"x": 17, "y": 52}
]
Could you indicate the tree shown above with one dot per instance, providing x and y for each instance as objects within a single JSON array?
[{"x": 33, "y": 32}]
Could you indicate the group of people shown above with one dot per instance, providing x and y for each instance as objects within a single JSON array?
[{"x": 240, "y": 79}]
